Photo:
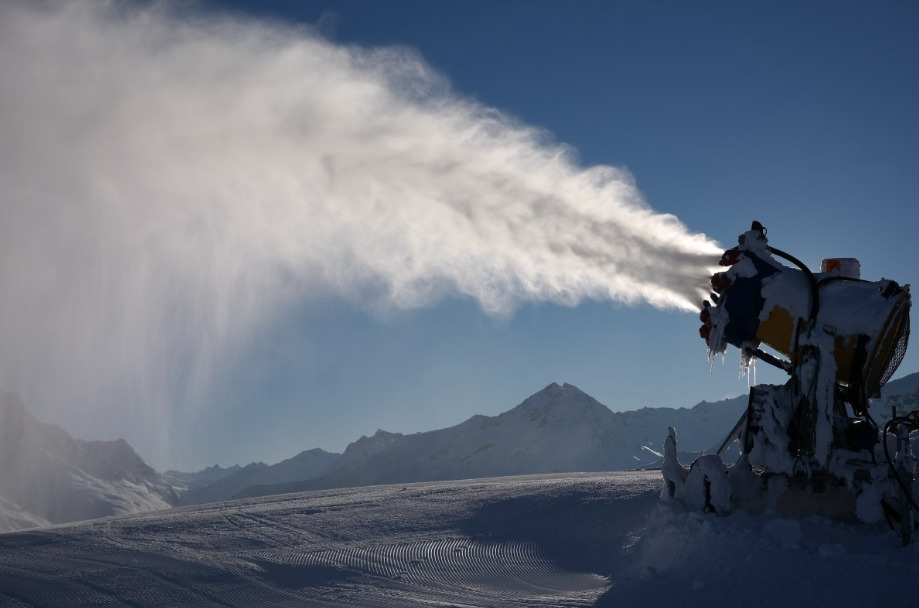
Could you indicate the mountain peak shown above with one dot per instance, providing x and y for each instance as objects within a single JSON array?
[
  {"x": 562, "y": 405},
  {"x": 564, "y": 387},
  {"x": 367, "y": 446},
  {"x": 311, "y": 456},
  {"x": 555, "y": 396}
]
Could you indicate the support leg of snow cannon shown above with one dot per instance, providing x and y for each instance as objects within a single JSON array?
[
  {"x": 749, "y": 423},
  {"x": 736, "y": 434},
  {"x": 905, "y": 463},
  {"x": 904, "y": 468}
]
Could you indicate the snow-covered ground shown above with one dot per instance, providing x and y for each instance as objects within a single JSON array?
[{"x": 547, "y": 540}]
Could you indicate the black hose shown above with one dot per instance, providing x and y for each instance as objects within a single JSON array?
[{"x": 815, "y": 294}]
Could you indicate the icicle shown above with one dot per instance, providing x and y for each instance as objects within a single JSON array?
[{"x": 747, "y": 365}]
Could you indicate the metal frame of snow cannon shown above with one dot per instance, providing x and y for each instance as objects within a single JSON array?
[{"x": 810, "y": 445}]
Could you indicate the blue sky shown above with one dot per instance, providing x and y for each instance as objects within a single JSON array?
[{"x": 801, "y": 115}]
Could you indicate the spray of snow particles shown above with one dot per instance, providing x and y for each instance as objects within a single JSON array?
[{"x": 172, "y": 180}]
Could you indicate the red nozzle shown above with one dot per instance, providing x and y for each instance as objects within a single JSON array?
[
  {"x": 720, "y": 282},
  {"x": 706, "y": 317},
  {"x": 730, "y": 257},
  {"x": 705, "y": 331}
]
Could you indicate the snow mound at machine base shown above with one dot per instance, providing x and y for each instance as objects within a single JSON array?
[{"x": 808, "y": 446}]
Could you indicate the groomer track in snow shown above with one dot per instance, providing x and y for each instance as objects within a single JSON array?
[
  {"x": 572, "y": 540},
  {"x": 510, "y": 541}
]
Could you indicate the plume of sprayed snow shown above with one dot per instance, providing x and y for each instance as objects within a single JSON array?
[{"x": 170, "y": 179}]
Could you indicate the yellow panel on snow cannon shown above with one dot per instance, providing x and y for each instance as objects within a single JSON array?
[{"x": 778, "y": 331}]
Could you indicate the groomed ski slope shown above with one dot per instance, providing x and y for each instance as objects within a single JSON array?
[{"x": 556, "y": 540}]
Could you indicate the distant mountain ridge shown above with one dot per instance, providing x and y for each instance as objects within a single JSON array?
[
  {"x": 558, "y": 429},
  {"x": 47, "y": 474},
  {"x": 48, "y": 477},
  {"x": 302, "y": 466},
  {"x": 184, "y": 482}
]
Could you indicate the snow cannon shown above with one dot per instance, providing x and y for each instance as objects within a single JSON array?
[
  {"x": 809, "y": 446},
  {"x": 760, "y": 301}
]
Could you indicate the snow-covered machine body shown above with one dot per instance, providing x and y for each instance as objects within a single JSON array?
[{"x": 809, "y": 445}]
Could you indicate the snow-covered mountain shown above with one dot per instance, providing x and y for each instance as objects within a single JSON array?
[
  {"x": 558, "y": 429},
  {"x": 902, "y": 394},
  {"x": 305, "y": 465},
  {"x": 47, "y": 476},
  {"x": 186, "y": 482}
]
